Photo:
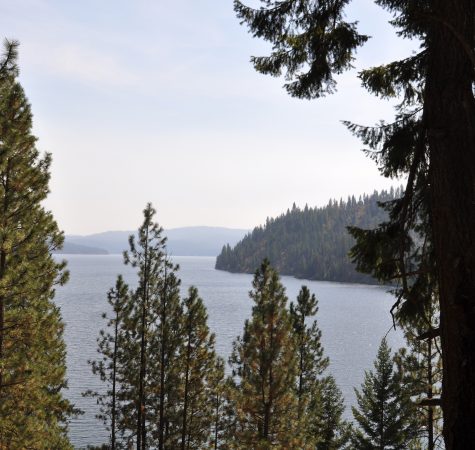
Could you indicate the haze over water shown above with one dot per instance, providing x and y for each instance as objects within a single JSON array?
[{"x": 353, "y": 319}]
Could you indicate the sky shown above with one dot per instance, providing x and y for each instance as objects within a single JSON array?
[{"x": 156, "y": 101}]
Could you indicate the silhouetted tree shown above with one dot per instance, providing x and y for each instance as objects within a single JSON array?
[{"x": 430, "y": 141}]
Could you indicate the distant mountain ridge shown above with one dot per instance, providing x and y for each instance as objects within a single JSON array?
[
  {"x": 310, "y": 243},
  {"x": 184, "y": 241}
]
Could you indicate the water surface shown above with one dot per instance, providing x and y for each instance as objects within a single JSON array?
[{"x": 353, "y": 319}]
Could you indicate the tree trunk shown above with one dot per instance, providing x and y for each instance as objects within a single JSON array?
[
  {"x": 163, "y": 343},
  {"x": 2, "y": 313},
  {"x": 450, "y": 116},
  {"x": 430, "y": 413},
  {"x": 114, "y": 371},
  {"x": 141, "y": 432},
  {"x": 216, "y": 422},
  {"x": 185, "y": 401}
]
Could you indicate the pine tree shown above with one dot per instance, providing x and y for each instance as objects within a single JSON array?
[
  {"x": 108, "y": 368},
  {"x": 218, "y": 389},
  {"x": 146, "y": 253},
  {"x": 165, "y": 381},
  {"x": 385, "y": 413},
  {"x": 421, "y": 365},
  {"x": 33, "y": 411},
  {"x": 156, "y": 299},
  {"x": 310, "y": 361},
  {"x": 332, "y": 430},
  {"x": 200, "y": 380},
  {"x": 430, "y": 141},
  {"x": 166, "y": 368},
  {"x": 265, "y": 366}
]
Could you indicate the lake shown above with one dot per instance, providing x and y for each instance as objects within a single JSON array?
[{"x": 353, "y": 319}]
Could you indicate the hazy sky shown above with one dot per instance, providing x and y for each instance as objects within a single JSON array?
[{"x": 157, "y": 101}]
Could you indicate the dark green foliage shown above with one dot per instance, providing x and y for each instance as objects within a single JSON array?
[
  {"x": 310, "y": 243},
  {"x": 310, "y": 42},
  {"x": 111, "y": 346},
  {"x": 421, "y": 366},
  {"x": 320, "y": 402},
  {"x": 332, "y": 431},
  {"x": 202, "y": 375},
  {"x": 8, "y": 61},
  {"x": 33, "y": 411},
  {"x": 157, "y": 286},
  {"x": 428, "y": 242},
  {"x": 265, "y": 367},
  {"x": 220, "y": 417},
  {"x": 310, "y": 362},
  {"x": 277, "y": 397},
  {"x": 164, "y": 378},
  {"x": 385, "y": 416}
]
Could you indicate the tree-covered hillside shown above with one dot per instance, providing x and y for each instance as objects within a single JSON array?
[{"x": 311, "y": 243}]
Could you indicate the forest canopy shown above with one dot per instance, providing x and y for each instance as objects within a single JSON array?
[{"x": 310, "y": 243}]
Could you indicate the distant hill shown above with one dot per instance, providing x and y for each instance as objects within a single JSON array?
[
  {"x": 186, "y": 241},
  {"x": 76, "y": 249},
  {"x": 310, "y": 243}
]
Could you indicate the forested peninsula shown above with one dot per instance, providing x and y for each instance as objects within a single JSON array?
[{"x": 310, "y": 243}]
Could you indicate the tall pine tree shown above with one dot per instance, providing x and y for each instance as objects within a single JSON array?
[
  {"x": 201, "y": 375},
  {"x": 165, "y": 381},
  {"x": 109, "y": 367},
  {"x": 33, "y": 411},
  {"x": 320, "y": 402},
  {"x": 265, "y": 366}
]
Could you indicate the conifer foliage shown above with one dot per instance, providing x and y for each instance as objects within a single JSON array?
[
  {"x": 310, "y": 243},
  {"x": 320, "y": 402},
  {"x": 33, "y": 411},
  {"x": 385, "y": 415},
  {"x": 158, "y": 356},
  {"x": 264, "y": 361},
  {"x": 278, "y": 397},
  {"x": 108, "y": 368},
  {"x": 430, "y": 141}
]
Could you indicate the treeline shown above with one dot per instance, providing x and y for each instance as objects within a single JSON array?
[
  {"x": 167, "y": 389},
  {"x": 310, "y": 243}
]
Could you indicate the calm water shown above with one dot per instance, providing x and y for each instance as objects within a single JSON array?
[{"x": 353, "y": 319}]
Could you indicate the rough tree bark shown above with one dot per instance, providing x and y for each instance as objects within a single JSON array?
[{"x": 450, "y": 109}]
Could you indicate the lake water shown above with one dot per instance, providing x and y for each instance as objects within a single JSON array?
[{"x": 353, "y": 319}]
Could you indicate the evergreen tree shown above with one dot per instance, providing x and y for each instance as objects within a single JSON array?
[
  {"x": 108, "y": 368},
  {"x": 430, "y": 141},
  {"x": 33, "y": 411},
  {"x": 200, "y": 380},
  {"x": 332, "y": 430},
  {"x": 310, "y": 361},
  {"x": 265, "y": 366},
  {"x": 385, "y": 415},
  {"x": 320, "y": 402},
  {"x": 310, "y": 243},
  {"x": 421, "y": 365},
  {"x": 147, "y": 254},
  {"x": 166, "y": 367},
  {"x": 166, "y": 382},
  {"x": 155, "y": 329},
  {"x": 218, "y": 390}
]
